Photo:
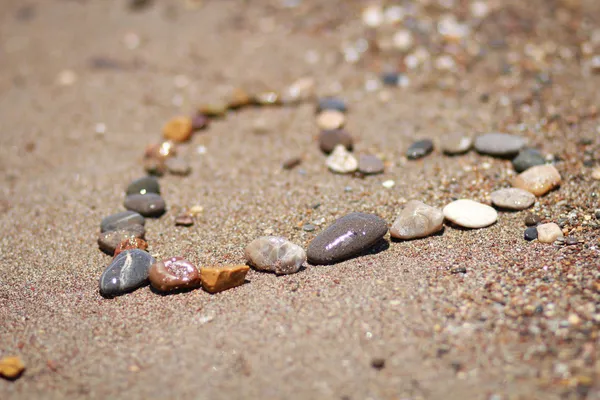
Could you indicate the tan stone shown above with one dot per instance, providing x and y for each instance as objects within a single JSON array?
[
  {"x": 548, "y": 233},
  {"x": 11, "y": 367},
  {"x": 538, "y": 180},
  {"x": 329, "y": 120},
  {"x": 219, "y": 278},
  {"x": 178, "y": 129}
]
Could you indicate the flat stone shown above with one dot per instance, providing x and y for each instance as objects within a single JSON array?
[
  {"x": 548, "y": 233},
  {"x": 178, "y": 129},
  {"x": 341, "y": 161},
  {"x": 329, "y": 120},
  {"x": 531, "y": 233},
  {"x": 149, "y": 205},
  {"x": 11, "y": 367},
  {"x": 456, "y": 143},
  {"x": 470, "y": 214},
  {"x": 145, "y": 185},
  {"x": 528, "y": 158},
  {"x": 175, "y": 273},
  {"x": 512, "y": 199},
  {"x": 275, "y": 254},
  {"x": 184, "y": 219},
  {"x": 532, "y": 219},
  {"x": 178, "y": 166},
  {"x": 347, "y": 237},
  {"x": 121, "y": 220},
  {"x": 369, "y": 164},
  {"x": 328, "y": 140},
  {"x": 419, "y": 149},
  {"x": 538, "y": 180},
  {"x": 499, "y": 144},
  {"x": 219, "y": 278},
  {"x": 108, "y": 241},
  {"x": 331, "y": 103},
  {"x": 129, "y": 244},
  {"x": 128, "y": 271},
  {"x": 417, "y": 220}
]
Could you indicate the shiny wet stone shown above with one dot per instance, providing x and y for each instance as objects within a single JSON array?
[
  {"x": 275, "y": 254},
  {"x": 145, "y": 185},
  {"x": 128, "y": 271},
  {"x": 419, "y": 149},
  {"x": 148, "y": 205},
  {"x": 531, "y": 233},
  {"x": 109, "y": 240},
  {"x": 175, "y": 273},
  {"x": 121, "y": 220}
]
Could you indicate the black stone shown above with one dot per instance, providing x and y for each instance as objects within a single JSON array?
[
  {"x": 145, "y": 185},
  {"x": 128, "y": 271},
  {"x": 149, "y": 205},
  {"x": 419, "y": 149},
  {"x": 390, "y": 78},
  {"x": 527, "y": 158},
  {"x": 121, "y": 220},
  {"x": 531, "y": 233}
]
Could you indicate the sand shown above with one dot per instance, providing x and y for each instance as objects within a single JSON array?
[{"x": 78, "y": 106}]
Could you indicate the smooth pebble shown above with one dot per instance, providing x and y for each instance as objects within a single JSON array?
[
  {"x": 275, "y": 254},
  {"x": 369, "y": 164},
  {"x": 128, "y": 271},
  {"x": 331, "y": 103},
  {"x": 417, "y": 220},
  {"x": 174, "y": 273},
  {"x": 178, "y": 129},
  {"x": 130, "y": 243},
  {"x": 531, "y": 233},
  {"x": 329, "y": 120},
  {"x": 121, "y": 220},
  {"x": 470, "y": 214},
  {"x": 109, "y": 240},
  {"x": 548, "y": 233},
  {"x": 532, "y": 219},
  {"x": 512, "y": 198},
  {"x": 419, "y": 149},
  {"x": 538, "y": 180},
  {"x": 528, "y": 158},
  {"x": 149, "y": 205},
  {"x": 178, "y": 166},
  {"x": 499, "y": 144},
  {"x": 328, "y": 140},
  {"x": 342, "y": 161},
  {"x": 145, "y": 185},
  {"x": 456, "y": 143}
]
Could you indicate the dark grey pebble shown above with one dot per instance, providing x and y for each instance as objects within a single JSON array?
[
  {"x": 329, "y": 139},
  {"x": 145, "y": 185},
  {"x": 128, "y": 271},
  {"x": 390, "y": 78},
  {"x": 331, "y": 103},
  {"x": 532, "y": 219},
  {"x": 309, "y": 227},
  {"x": 121, "y": 220},
  {"x": 369, "y": 164},
  {"x": 499, "y": 144},
  {"x": 291, "y": 163},
  {"x": 531, "y": 233},
  {"x": 528, "y": 158},
  {"x": 149, "y": 205},
  {"x": 347, "y": 237},
  {"x": 419, "y": 149},
  {"x": 108, "y": 241}
]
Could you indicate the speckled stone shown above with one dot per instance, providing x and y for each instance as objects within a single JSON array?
[
  {"x": 527, "y": 158},
  {"x": 149, "y": 205},
  {"x": 275, "y": 254},
  {"x": 121, "y": 220},
  {"x": 499, "y": 144},
  {"x": 341, "y": 161},
  {"x": 109, "y": 240},
  {"x": 131, "y": 243},
  {"x": 369, "y": 164},
  {"x": 329, "y": 139},
  {"x": 531, "y": 233},
  {"x": 331, "y": 103},
  {"x": 145, "y": 185},
  {"x": 175, "y": 273},
  {"x": 417, "y": 220},
  {"x": 456, "y": 143},
  {"x": 128, "y": 271},
  {"x": 512, "y": 199},
  {"x": 470, "y": 214},
  {"x": 548, "y": 233},
  {"x": 419, "y": 149},
  {"x": 538, "y": 180},
  {"x": 347, "y": 237}
]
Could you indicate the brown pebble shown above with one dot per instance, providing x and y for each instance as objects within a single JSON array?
[
  {"x": 267, "y": 98},
  {"x": 199, "y": 122},
  {"x": 108, "y": 241},
  {"x": 329, "y": 120},
  {"x": 178, "y": 166},
  {"x": 155, "y": 166},
  {"x": 239, "y": 98},
  {"x": 184, "y": 220},
  {"x": 174, "y": 273},
  {"x": 214, "y": 109},
  {"x": 131, "y": 243},
  {"x": 329, "y": 139},
  {"x": 178, "y": 129},
  {"x": 378, "y": 363},
  {"x": 369, "y": 164},
  {"x": 161, "y": 150},
  {"x": 532, "y": 219},
  {"x": 538, "y": 180},
  {"x": 11, "y": 367},
  {"x": 220, "y": 278},
  {"x": 291, "y": 163}
]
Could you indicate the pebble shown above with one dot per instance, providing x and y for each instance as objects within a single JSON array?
[
  {"x": 174, "y": 273},
  {"x": 329, "y": 120},
  {"x": 571, "y": 240},
  {"x": 220, "y": 278},
  {"x": 214, "y": 109},
  {"x": 391, "y": 78},
  {"x": 596, "y": 174},
  {"x": 532, "y": 219},
  {"x": 417, "y": 220},
  {"x": 309, "y": 227},
  {"x": 11, "y": 367},
  {"x": 341, "y": 161},
  {"x": 121, "y": 220},
  {"x": 328, "y": 140},
  {"x": 538, "y": 180},
  {"x": 275, "y": 254},
  {"x": 347, "y": 237},
  {"x": 178, "y": 166},
  {"x": 548, "y": 233},
  {"x": 155, "y": 166},
  {"x": 388, "y": 184},
  {"x": 149, "y": 205},
  {"x": 128, "y": 271},
  {"x": 184, "y": 219},
  {"x": 161, "y": 150},
  {"x": 531, "y": 233},
  {"x": 239, "y": 98},
  {"x": 291, "y": 163},
  {"x": 145, "y": 185},
  {"x": 199, "y": 122},
  {"x": 470, "y": 214},
  {"x": 301, "y": 90},
  {"x": 108, "y": 241},
  {"x": 129, "y": 244},
  {"x": 369, "y": 164},
  {"x": 499, "y": 144},
  {"x": 528, "y": 158},
  {"x": 512, "y": 199},
  {"x": 178, "y": 129},
  {"x": 331, "y": 103},
  {"x": 456, "y": 143},
  {"x": 419, "y": 149}
]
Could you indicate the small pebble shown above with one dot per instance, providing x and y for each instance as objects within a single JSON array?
[
  {"x": 596, "y": 174},
  {"x": 128, "y": 271},
  {"x": 155, "y": 166},
  {"x": 329, "y": 120},
  {"x": 308, "y": 227},
  {"x": 220, "y": 278},
  {"x": 267, "y": 98},
  {"x": 419, "y": 149},
  {"x": 239, "y": 98},
  {"x": 417, "y": 220},
  {"x": 531, "y": 233},
  {"x": 178, "y": 129},
  {"x": 174, "y": 273},
  {"x": 470, "y": 214},
  {"x": 199, "y": 122},
  {"x": 458, "y": 270},
  {"x": 548, "y": 233},
  {"x": 108, "y": 241},
  {"x": 301, "y": 90},
  {"x": 184, "y": 219},
  {"x": 331, "y": 103},
  {"x": 291, "y": 163},
  {"x": 499, "y": 144},
  {"x": 538, "y": 180},
  {"x": 532, "y": 219},
  {"x": 216, "y": 110},
  {"x": 341, "y": 161},
  {"x": 512, "y": 199},
  {"x": 388, "y": 184},
  {"x": 370, "y": 164},
  {"x": 571, "y": 240},
  {"x": 178, "y": 166},
  {"x": 275, "y": 254},
  {"x": 528, "y": 158},
  {"x": 378, "y": 363},
  {"x": 121, "y": 220},
  {"x": 149, "y": 205},
  {"x": 145, "y": 185},
  {"x": 391, "y": 78},
  {"x": 11, "y": 367},
  {"x": 131, "y": 243},
  {"x": 456, "y": 143},
  {"x": 328, "y": 140}
]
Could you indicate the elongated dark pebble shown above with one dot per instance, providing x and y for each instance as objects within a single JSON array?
[
  {"x": 128, "y": 271},
  {"x": 145, "y": 185},
  {"x": 527, "y": 158},
  {"x": 419, "y": 149},
  {"x": 331, "y": 103},
  {"x": 121, "y": 220},
  {"x": 532, "y": 219},
  {"x": 109, "y": 240},
  {"x": 531, "y": 233},
  {"x": 149, "y": 205}
]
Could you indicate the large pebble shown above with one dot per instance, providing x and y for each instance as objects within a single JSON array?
[
  {"x": 145, "y": 185},
  {"x": 219, "y": 278},
  {"x": 121, "y": 220},
  {"x": 109, "y": 240},
  {"x": 329, "y": 139},
  {"x": 174, "y": 273},
  {"x": 149, "y": 205},
  {"x": 538, "y": 180},
  {"x": 342, "y": 161},
  {"x": 275, "y": 254},
  {"x": 128, "y": 271},
  {"x": 548, "y": 233},
  {"x": 512, "y": 199},
  {"x": 419, "y": 149},
  {"x": 470, "y": 214},
  {"x": 417, "y": 220},
  {"x": 528, "y": 158},
  {"x": 456, "y": 143},
  {"x": 499, "y": 144},
  {"x": 369, "y": 164},
  {"x": 347, "y": 237}
]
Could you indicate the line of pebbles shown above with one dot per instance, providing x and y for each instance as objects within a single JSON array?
[{"x": 122, "y": 234}]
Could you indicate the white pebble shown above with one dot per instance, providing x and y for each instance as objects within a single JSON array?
[{"x": 470, "y": 214}]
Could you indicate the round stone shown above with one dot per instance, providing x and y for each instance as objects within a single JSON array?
[
  {"x": 175, "y": 273},
  {"x": 470, "y": 214},
  {"x": 341, "y": 161},
  {"x": 456, "y": 143},
  {"x": 538, "y": 180},
  {"x": 128, "y": 271},
  {"x": 155, "y": 166},
  {"x": 419, "y": 149},
  {"x": 149, "y": 205},
  {"x": 121, "y": 220},
  {"x": 347, "y": 237},
  {"x": 275, "y": 254},
  {"x": 131, "y": 243},
  {"x": 329, "y": 120},
  {"x": 528, "y": 158},
  {"x": 548, "y": 233},
  {"x": 531, "y": 233},
  {"x": 178, "y": 129},
  {"x": 512, "y": 199},
  {"x": 499, "y": 144},
  {"x": 199, "y": 122},
  {"x": 109, "y": 240},
  {"x": 417, "y": 220},
  {"x": 329, "y": 139},
  {"x": 370, "y": 165},
  {"x": 145, "y": 185},
  {"x": 178, "y": 166},
  {"x": 532, "y": 219},
  {"x": 331, "y": 103}
]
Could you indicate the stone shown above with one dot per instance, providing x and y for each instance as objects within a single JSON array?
[
  {"x": 121, "y": 220},
  {"x": 499, "y": 144},
  {"x": 347, "y": 237},
  {"x": 331, "y": 103},
  {"x": 178, "y": 166},
  {"x": 108, "y": 241},
  {"x": 419, "y": 149},
  {"x": 155, "y": 166},
  {"x": 456, "y": 143},
  {"x": 145, "y": 185},
  {"x": 512, "y": 199},
  {"x": 528, "y": 158},
  {"x": 184, "y": 219},
  {"x": 199, "y": 122},
  {"x": 391, "y": 78},
  {"x": 267, "y": 98},
  {"x": 596, "y": 174},
  {"x": 149, "y": 205},
  {"x": 178, "y": 129},
  {"x": 470, "y": 214},
  {"x": 291, "y": 163},
  {"x": 417, "y": 220},
  {"x": 275, "y": 254},
  {"x": 11, "y": 367},
  {"x": 329, "y": 120},
  {"x": 548, "y": 233},
  {"x": 239, "y": 98},
  {"x": 369, "y": 164},
  {"x": 130, "y": 243},
  {"x": 328, "y": 140},
  {"x": 532, "y": 219},
  {"x": 128, "y": 271},
  {"x": 216, "y": 110},
  {"x": 299, "y": 91},
  {"x": 161, "y": 151},
  {"x": 219, "y": 278},
  {"x": 341, "y": 161},
  {"x": 531, "y": 233},
  {"x": 538, "y": 180},
  {"x": 175, "y": 273}
]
